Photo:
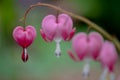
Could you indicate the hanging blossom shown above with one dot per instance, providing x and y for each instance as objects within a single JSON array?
[
  {"x": 86, "y": 47},
  {"x": 24, "y": 37},
  {"x": 108, "y": 58},
  {"x": 57, "y": 28}
]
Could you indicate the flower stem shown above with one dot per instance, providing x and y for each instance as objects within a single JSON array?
[{"x": 81, "y": 18}]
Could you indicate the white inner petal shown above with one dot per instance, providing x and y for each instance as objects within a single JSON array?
[
  {"x": 86, "y": 68},
  {"x": 58, "y": 50},
  {"x": 112, "y": 76},
  {"x": 104, "y": 74},
  {"x": 25, "y": 53}
]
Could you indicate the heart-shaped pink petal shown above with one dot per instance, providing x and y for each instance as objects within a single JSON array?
[
  {"x": 95, "y": 44},
  {"x": 57, "y": 27},
  {"x": 49, "y": 26},
  {"x": 24, "y": 37},
  {"x": 80, "y": 45},
  {"x": 87, "y": 45},
  {"x": 65, "y": 24}
]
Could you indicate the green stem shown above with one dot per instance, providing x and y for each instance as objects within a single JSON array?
[{"x": 83, "y": 19}]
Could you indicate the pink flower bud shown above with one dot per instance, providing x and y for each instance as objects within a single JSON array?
[
  {"x": 57, "y": 29},
  {"x": 24, "y": 37},
  {"x": 108, "y": 55}
]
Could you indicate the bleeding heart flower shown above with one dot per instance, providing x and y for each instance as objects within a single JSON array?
[
  {"x": 108, "y": 58},
  {"x": 57, "y": 29},
  {"x": 24, "y": 37},
  {"x": 86, "y": 46}
]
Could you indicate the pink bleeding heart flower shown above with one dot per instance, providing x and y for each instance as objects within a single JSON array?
[
  {"x": 86, "y": 46},
  {"x": 108, "y": 58},
  {"x": 24, "y": 37},
  {"x": 57, "y": 29}
]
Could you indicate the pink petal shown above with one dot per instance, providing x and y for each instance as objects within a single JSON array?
[
  {"x": 66, "y": 21},
  {"x": 24, "y": 37},
  {"x": 57, "y": 27},
  {"x": 64, "y": 35},
  {"x": 71, "y": 34},
  {"x": 43, "y": 35},
  {"x": 95, "y": 44},
  {"x": 49, "y": 26},
  {"x": 65, "y": 24},
  {"x": 30, "y": 35},
  {"x": 108, "y": 55},
  {"x": 80, "y": 45},
  {"x": 72, "y": 56},
  {"x": 32, "y": 29}
]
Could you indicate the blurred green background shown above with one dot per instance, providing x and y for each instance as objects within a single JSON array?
[{"x": 42, "y": 63}]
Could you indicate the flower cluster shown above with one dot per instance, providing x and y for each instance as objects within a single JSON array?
[
  {"x": 93, "y": 47},
  {"x": 54, "y": 28},
  {"x": 86, "y": 47}
]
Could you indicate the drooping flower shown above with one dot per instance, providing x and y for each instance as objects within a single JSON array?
[
  {"x": 24, "y": 37},
  {"x": 108, "y": 58},
  {"x": 86, "y": 47},
  {"x": 57, "y": 29}
]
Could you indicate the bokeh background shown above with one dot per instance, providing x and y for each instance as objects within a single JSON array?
[{"x": 42, "y": 63}]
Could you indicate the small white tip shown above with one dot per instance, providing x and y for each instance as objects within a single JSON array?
[
  {"x": 86, "y": 69},
  {"x": 58, "y": 50},
  {"x": 104, "y": 74},
  {"x": 112, "y": 76},
  {"x": 58, "y": 53}
]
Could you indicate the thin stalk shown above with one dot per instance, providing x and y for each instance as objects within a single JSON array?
[{"x": 81, "y": 18}]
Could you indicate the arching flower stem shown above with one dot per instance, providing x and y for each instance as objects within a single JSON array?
[{"x": 81, "y": 18}]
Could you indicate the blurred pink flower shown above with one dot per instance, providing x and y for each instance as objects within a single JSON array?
[
  {"x": 24, "y": 37},
  {"x": 57, "y": 28},
  {"x": 86, "y": 47},
  {"x": 108, "y": 55},
  {"x": 108, "y": 58}
]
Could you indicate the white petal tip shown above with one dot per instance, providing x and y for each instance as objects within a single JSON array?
[
  {"x": 58, "y": 54},
  {"x": 85, "y": 75},
  {"x": 86, "y": 69}
]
